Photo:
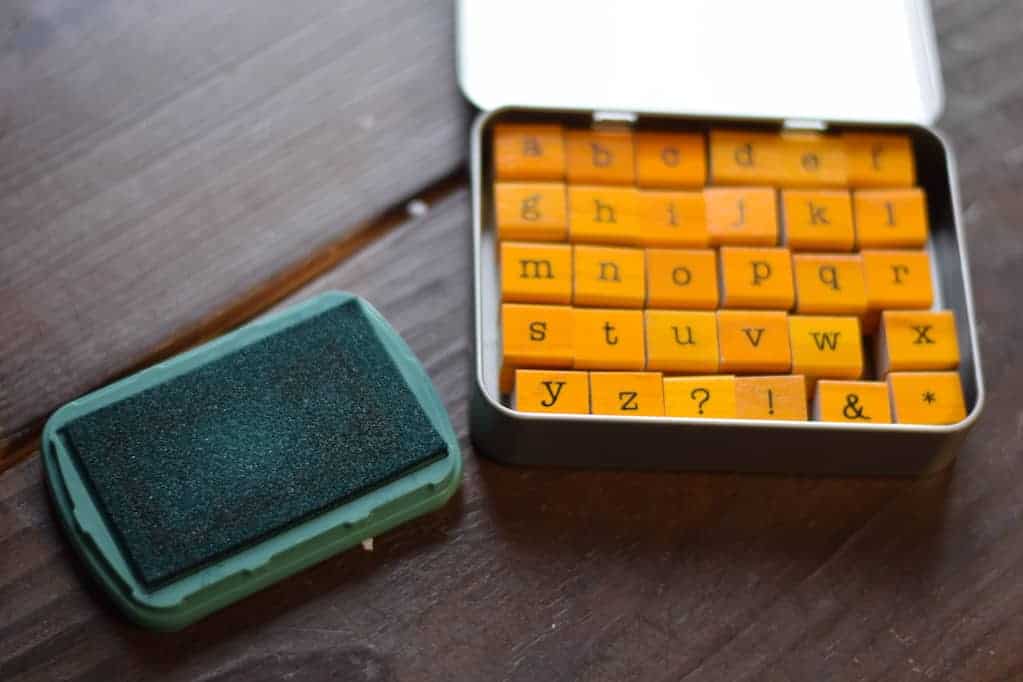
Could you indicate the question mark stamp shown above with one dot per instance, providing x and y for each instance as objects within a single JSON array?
[{"x": 700, "y": 402}]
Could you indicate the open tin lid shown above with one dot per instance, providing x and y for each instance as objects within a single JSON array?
[{"x": 868, "y": 61}]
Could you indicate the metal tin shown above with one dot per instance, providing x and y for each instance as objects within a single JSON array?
[{"x": 812, "y": 447}]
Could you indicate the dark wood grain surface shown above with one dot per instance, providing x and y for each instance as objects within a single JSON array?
[
  {"x": 158, "y": 160},
  {"x": 559, "y": 575}
]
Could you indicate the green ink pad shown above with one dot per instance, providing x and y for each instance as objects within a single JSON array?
[{"x": 196, "y": 482}]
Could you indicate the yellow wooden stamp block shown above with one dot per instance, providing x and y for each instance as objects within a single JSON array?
[
  {"x": 927, "y": 397},
  {"x": 552, "y": 391},
  {"x": 879, "y": 160},
  {"x": 812, "y": 160},
  {"x": 771, "y": 397},
  {"x": 531, "y": 211},
  {"x": 682, "y": 278},
  {"x": 609, "y": 339},
  {"x": 609, "y": 277},
  {"x": 667, "y": 160},
  {"x": 603, "y": 215},
  {"x": 600, "y": 157},
  {"x": 528, "y": 152},
  {"x": 897, "y": 279},
  {"x": 852, "y": 402},
  {"x": 739, "y": 157},
  {"x": 676, "y": 219},
  {"x": 829, "y": 284},
  {"x": 890, "y": 218},
  {"x": 678, "y": 341},
  {"x": 627, "y": 394},
  {"x": 826, "y": 347},
  {"x": 915, "y": 340},
  {"x": 537, "y": 335},
  {"x": 536, "y": 273},
  {"x": 710, "y": 397},
  {"x": 742, "y": 215},
  {"x": 757, "y": 278},
  {"x": 818, "y": 220},
  {"x": 753, "y": 341}
]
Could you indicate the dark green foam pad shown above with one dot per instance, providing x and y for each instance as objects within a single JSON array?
[
  {"x": 245, "y": 446},
  {"x": 199, "y": 480}
]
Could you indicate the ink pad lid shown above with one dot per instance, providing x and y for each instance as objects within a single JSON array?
[{"x": 191, "y": 484}]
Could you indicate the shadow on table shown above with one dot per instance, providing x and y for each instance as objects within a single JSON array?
[
  {"x": 684, "y": 540},
  {"x": 564, "y": 514},
  {"x": 313, "y": 655}
]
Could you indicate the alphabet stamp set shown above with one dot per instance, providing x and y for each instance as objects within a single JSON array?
[
  {"x": 702, "y": 264},
  {"x": 722, "y": 272}
]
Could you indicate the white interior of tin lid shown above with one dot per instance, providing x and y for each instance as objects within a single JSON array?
[{"x": 831, "y": 60}]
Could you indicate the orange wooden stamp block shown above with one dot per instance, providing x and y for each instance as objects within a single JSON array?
[
  {"x": 753, "y": 341},
  {"x": 603, "y": 215},
  {"x": 927, "y": 397},
  {"x": 739, "y": 157},
  {"x": 531, "y": 211},
  {"x": 537, "y": 335},
  {"x": 627, "y": 394},
  {"x": 668, "y": 160},
  {"x": 898, "y": 279},
  {"x": 852, "y": 402},
  {"x": 676, "y": 219},
  {"x": 610, "y": 277},
  {"x": 890, "y": 218},
  {"x": 917, "y": 340},
  {"x": 552, "y": 391},
  {"x": 812, "y": 160},
  {"x": 536, "y": 272},
  {"x": 818, "y": 220},
  {"x": 828, "y": 283},
  {"x": 828, "y": 347},
  {"x": 600, "y": 157},
  {"x": 681, "y": 341},
  {"x": 757, "y": 278},
  {"x": 710, "y": 397},
  {"x": 771, "y": 397},
  {"x": 879, "y": 160},
  {"x": 742, "y": 215},
  {"x": 682, "y": 278},
  {"x": 528, "y": 152},
  {"x": 609, "y": 339}
]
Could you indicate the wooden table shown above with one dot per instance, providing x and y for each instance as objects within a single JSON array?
[{"x": 171, "y": 170}]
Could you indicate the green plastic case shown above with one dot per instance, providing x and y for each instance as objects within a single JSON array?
[{"x": 194, "y": 596}]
